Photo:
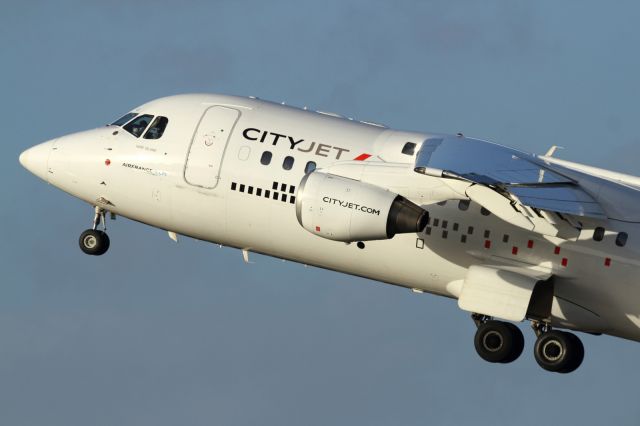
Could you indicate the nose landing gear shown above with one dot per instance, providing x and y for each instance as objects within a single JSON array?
[{"x": 93, "y": 241}]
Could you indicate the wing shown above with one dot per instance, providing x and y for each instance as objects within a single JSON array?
[{"x": 516, "y": 186}]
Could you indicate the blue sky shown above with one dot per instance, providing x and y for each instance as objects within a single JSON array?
[{"x": 155, "y": 333}]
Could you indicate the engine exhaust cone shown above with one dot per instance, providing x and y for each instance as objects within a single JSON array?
[{"x": 405, "y": 217}]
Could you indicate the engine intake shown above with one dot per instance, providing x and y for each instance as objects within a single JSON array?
[{"x": 343, "y": 209}]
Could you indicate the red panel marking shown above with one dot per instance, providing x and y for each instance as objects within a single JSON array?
[
  {"x": 362, "y": 157},
  {"x": 530, "y": 244},
  {"x": 514, "y": 250},
  {"x": 556, "y": 250},
  {"x": 107, "y": 162},
  {"x": 487, "y": 244},
  {"x": 317, "y": 229},
  {"x": 564, "y": 261},
  {"x": 607, "y": 262}
]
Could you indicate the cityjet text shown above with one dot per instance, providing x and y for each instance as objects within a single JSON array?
[
  {"x": 351, "y": 205},
  {"x": 319, "y": 149}
]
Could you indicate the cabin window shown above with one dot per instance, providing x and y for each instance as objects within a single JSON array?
[
  {"x": 484, "y": 212},
  {"x": 464, "y": 205},
  {"x": 436, "y": 222},
  {"x": 487, "y": 233},
  {"x": 157, "y": 128},
  {"x": 311, "y": 166},
  {"x": 621, "y": 239},
  {"x": 445, "y": 234},
  {"x": 455, "y": 226},
  {"x": 470, "y": 230},
  {"x": 265, "y": 159},
  {"x": 463, "y": 238},
  {"x": 505, "y": 238},
  {"x": 598, "y": 233},
  {"x": 138, "y": 126},
  {"x": 287, "y": 164},
  {"x": 124, "y": 119},
  {"x": 409, "y": 148}
]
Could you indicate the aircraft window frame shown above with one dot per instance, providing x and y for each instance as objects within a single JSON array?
[
  {"x": 598, "y": 234},
  {"x": 265, "y": 158},
  {"x": 409, "y": 148},
  {"x": 130, "y": 125},
  {"x": 621, "y": 239},
  {"x": 156, "y": 123},
  {"x": 287, "y": 163},
  {"x": 463, "y": 205},
  {"x": 309, "y": 167},
  {"x": 124, "y": 119}
]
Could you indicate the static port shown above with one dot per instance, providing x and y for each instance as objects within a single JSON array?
[{"x": 360, "y": 245}]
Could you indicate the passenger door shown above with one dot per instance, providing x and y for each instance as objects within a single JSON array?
[{"x": 208, "y": 146}]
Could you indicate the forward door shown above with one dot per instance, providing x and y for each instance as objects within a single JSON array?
[{"x": 208, "y": 146}]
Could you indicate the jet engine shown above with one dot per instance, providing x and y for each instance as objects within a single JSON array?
[{"x": 348, "y": 210}]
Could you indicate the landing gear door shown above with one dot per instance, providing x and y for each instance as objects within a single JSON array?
[{"x": 208, "y": 146}]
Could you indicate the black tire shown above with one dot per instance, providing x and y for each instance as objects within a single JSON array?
[
  {"x": 498, "y": 341},
  {"x": 558, "y": 351},
  {"x": 577, "y": 354},
  {"x": 94, "y": 242},
  {"x": 518, "y": 343}
]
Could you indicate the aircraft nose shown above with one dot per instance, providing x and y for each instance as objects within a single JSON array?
[{"x": 35, "y": 159}]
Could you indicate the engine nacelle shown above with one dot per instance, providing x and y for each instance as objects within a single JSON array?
[{"x": 343, "y": 209}]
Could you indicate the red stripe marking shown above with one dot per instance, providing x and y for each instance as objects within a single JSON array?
[
  {"x": 487, "y": 244},
  {"x": 514, "y": 250},
  {"x": 530, "y": 244},
  {"x": 556, "y": 250},
  {"x": 607, "y": 262},
  {"x": 362, "y": 157},
  {"x": 564, "y": 261}
]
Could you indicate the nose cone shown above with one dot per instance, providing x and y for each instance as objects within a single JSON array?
[{"x": 35, "y": 159}]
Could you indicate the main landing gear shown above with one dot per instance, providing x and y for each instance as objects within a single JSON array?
[
  {"x": 93, "y": 241},
  {"x": 503, "y": 342}
]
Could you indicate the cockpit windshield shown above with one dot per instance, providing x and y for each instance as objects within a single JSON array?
[
  {"x": 124, "y": 119},
  {"x": 157, "y": 128},
  {"x": 137, "y": 124},
  {"x": 137, "y": 127}
]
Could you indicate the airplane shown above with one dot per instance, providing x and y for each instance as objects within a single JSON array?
[{"x": 512, "y": 236}]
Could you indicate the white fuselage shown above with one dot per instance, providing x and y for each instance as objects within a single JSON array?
[{"x": 209, "y": 183}]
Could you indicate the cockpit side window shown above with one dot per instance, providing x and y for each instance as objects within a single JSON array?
[
  {"x": 138, "y": 126},
  {"x": 124, "y": 119},
  {"x": 157, "y": 128}
]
